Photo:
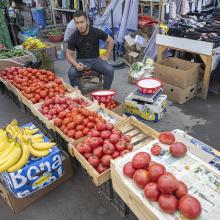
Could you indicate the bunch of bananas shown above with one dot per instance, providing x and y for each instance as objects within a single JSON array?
[
  {"x": 18, "y": 144},
  {"x": 33, "y": 43}
]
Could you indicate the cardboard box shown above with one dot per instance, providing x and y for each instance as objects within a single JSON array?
[
  {"x": 132, "y": 57},
  {"x": 177, "y": 72},
  {"x": 36, "y": 174},
  {"x": 179, "y": 95},
  {"x": 18, "y": 205},
  {"x": 146, "y": 111}
]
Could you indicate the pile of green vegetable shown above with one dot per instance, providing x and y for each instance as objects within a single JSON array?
[
  {"x": 6, "y": 54},
  {"x": 55, "y": 32}
]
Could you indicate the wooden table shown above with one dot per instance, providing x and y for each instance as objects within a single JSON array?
[{"x": 202, "y": 48}]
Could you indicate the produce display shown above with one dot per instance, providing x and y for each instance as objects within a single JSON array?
[
  {"x": 161, "y": 186},
  {"x": 103, "y": 144},
  {"x": 36, "y": 85},
  {"x": 77, "y": 123},
  {"x": 6, "y": 54},
  {"x": 177, "y": 149},
  {"x": 51, "y": 108},
  {"x": 18, "y": 144},
  {"x": 33, "y": 43}
]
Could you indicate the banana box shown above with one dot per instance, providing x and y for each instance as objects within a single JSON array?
[
  {"x": 37, "y": 173},
  {"x": 145, "y": 111}
]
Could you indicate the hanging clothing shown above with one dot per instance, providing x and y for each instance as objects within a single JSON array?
[
  {"x": 173, "y": 10},
  {"x": 132, "y": 23},
  {"x": 4, "y": 33},
  {"x": 124, "y": 20},
  {"x": 185, "y": 7}
]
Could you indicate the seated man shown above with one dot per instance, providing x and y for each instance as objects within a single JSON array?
[{"x": 85, "y": 40}]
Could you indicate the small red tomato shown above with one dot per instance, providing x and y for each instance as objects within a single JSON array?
[
  {"x": 94, "y": 160},
  {"x": 156, "y": 150},
  {"x": 106, "y": 160},
  {"x": 115, "y": 155}
]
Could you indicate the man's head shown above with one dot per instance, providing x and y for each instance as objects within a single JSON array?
[{"x": 81, "y": 21}]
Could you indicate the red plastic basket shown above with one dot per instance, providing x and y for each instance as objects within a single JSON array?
[{"x": 55, "y": 38}]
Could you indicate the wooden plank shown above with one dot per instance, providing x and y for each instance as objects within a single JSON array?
[
  {"x": 143, "y": 143},
  {"x": 138, "y": 138},
  {"x": 207, "y": 73},
  {"x": 132, "y": 201},
  {"x": 194, "y": 46},
  {"x": 134, "y": 132},
  {"x": 146, "y": 129}
]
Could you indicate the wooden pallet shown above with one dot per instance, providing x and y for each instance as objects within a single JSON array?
[
  {"x": 131, "y": 200},
  {"x": 141, "y": 134}
]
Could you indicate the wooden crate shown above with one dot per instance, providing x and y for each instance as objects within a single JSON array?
[
  {"x": 107, "y": 114},
  {"x": 130, "y": 199},
  {"x": 141, "y": 134},
  {"x": 134, "y": 197}
]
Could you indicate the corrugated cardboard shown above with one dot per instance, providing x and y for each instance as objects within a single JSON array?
[
  {"x": 179, "y": 95},
  {"x": 18, "y": 205},
  {"x": 37, "y": 173},
  {"x": 177, "y": 72}
]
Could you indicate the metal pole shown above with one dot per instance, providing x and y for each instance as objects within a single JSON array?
[{"x": 113, "y": 33}]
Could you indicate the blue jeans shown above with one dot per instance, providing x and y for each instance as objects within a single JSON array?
[{"x": 96, "y": 64}]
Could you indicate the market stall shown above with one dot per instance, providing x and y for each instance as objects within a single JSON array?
[{"x": 143, "y": 173}]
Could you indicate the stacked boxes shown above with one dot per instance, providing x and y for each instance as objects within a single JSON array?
[
  {"x": 146, "y": 107},
  {"x": 179, "y": 78}
]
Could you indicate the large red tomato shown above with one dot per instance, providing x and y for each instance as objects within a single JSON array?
[
  {"x": 167, "y": 183},
  {"x": 189, "y": 206},
  {"x": 168, "y": 203},
  {"x": 182, "y": 190},
  {"x": 128, "y": 170},
  {"x": 141, "y": 160},
  {"x": 151, "y": 191},
  {"x": 166, "y": 138},
  {"x": 178, "y": 149},
  {"x": 141, "y": 178},
  {"x": 155, "y": 171}
]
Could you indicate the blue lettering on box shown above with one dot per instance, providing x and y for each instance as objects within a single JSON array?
[{"x": 36, "y": 174}]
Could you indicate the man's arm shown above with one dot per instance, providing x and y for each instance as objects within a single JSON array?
[
  {"x": 109, "y": 48},
  {"x": 71, "y": 59}
]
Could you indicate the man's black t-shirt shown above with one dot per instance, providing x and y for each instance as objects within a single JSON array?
[{"x": 87, "y": 46}]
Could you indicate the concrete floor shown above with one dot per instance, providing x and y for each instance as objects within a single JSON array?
[{"x": 79, "y": 198}]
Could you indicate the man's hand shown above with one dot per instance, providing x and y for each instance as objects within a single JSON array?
[
  {"x": 79, "y": 66},
  {"x": 104, "y": 58}
]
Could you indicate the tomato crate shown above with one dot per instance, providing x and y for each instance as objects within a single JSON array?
[
  {"x": 193, "y": 169},
  {"x": 140, "y": 135},
  {"x": 107, "y": 114}
]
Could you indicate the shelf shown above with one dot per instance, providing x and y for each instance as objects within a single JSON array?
[{"x": 66, "y": 10}]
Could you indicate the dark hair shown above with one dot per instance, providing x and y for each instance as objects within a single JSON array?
[{"x": 79, "y": 13}]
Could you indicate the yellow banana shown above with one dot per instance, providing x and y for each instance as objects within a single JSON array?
[
  {"x": 39, "y": 153},
  {"x": 25, "y": 148},
  {"x": 37, "y": 140},
  {"x": 43, "y": 146},
  {"x": 37, "y": 136},
  {"x": 15, "y": 155},
  {"x": 7, "y": 151},
  {"x": 29, "y": 131},
  {"x": 3, "y": 144}
]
